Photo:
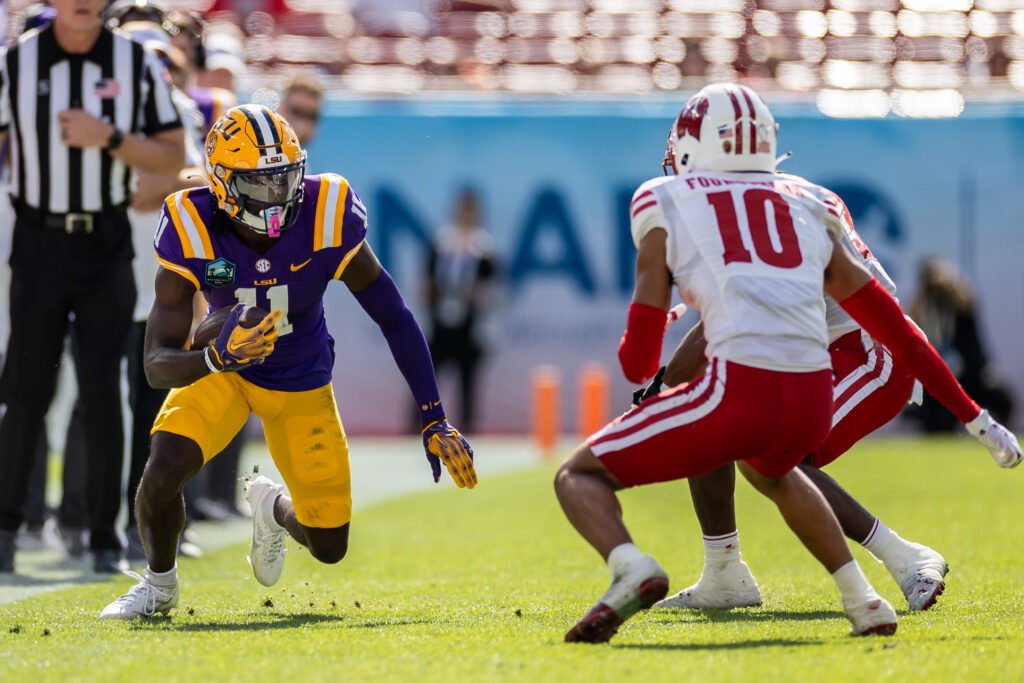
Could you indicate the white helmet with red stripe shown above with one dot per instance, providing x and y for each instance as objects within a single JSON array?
[{"x": 724, "y": 127}]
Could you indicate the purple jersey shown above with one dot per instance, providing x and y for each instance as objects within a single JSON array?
[{"x": 291, "y": 276}]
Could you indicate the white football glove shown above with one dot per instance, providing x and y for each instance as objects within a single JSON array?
[{"x": 1000, "y": 441}]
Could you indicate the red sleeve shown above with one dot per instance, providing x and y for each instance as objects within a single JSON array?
[
  {"x": 879, "y": 314},
  {"x": 640, "y": 348}
]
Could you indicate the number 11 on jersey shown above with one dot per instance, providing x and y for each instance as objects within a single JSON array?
[{"x": 278, "y": 297}]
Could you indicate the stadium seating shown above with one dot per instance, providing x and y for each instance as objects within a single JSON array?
[{"x": 915, "y": 57}]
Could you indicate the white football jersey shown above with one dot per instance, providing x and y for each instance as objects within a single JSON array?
[
  {"x": 839, "y": 321},
  {"x": 747, "y": 250}
]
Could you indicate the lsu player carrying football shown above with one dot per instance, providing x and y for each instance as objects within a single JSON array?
[{"x": 265, "y": 235}]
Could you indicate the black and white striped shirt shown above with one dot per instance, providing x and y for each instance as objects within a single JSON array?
[{"x": 118, "y": 80}]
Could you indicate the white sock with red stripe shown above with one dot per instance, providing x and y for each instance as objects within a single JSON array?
[
  {"x": 853, "y": 585},
  {"x": 724, "y": 548},
  {"x": 885, "y": 544}
]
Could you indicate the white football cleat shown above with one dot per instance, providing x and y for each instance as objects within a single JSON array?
[
  {"x": 920, "y": 574},
  {"x": 144, "y": 599},
  {"x": 873, "y": 617},
  {"x": 638, "y": 588},
  {"x": 266, "y": 552},
  {"x": 722, "y": 585}
]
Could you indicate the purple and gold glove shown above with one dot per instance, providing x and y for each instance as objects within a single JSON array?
[
  {"x": 237, "y": 348},
  {"x": 442, "y": 442}
]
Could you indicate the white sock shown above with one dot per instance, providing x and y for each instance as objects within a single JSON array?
[
  {"x": 621, "y": 557},
  {"x": 852, "y": 583},
  {"x": 167, "y": 578},
  {"x": 884, "y": 543},
  {"x": 724, "y": 548}
]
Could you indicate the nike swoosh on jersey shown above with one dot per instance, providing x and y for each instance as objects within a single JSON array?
[{"x": 296, "y": 267}]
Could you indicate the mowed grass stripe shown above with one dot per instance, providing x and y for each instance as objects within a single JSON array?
[{"x": 482, "y": 585}]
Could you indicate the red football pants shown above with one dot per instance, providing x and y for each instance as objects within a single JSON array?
[
  {"x": 870, "y": 389},
  {"x": 732, "y": 412}
]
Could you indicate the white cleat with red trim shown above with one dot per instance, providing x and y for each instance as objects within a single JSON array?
[
  {"x": 722, "y": 585},
  {"x": 873, "y": 617},
  {"x": 921, "y": 575}
]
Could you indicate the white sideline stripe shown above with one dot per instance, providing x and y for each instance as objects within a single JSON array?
[{"x": 668, "y": 423}]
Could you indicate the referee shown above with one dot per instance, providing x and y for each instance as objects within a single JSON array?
[{"x": 81, "y": 106}]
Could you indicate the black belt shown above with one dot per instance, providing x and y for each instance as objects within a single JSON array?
[{"x": 72, "y": 223}]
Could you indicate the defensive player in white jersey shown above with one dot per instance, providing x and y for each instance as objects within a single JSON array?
[
  {"x": 752, "y": 255},
  {"x": 870, "y": 389}
]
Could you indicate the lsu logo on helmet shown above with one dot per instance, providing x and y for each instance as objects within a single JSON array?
[{"x": 255, "y": 167}]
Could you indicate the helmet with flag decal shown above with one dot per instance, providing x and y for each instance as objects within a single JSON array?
[
  {"x": 724, "y": 127},
  {"x": 255, "y": 167}
]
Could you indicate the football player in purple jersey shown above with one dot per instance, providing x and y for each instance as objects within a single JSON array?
[{"x": 265, "y": 235}]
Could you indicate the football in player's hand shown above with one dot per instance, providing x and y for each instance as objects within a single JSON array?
[{"x": 210, "y": 328}]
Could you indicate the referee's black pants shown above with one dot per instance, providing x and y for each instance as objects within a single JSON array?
[{"x": 55, "y": 275}]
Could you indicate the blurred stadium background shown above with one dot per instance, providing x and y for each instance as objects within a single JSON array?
[{"x": 555, "y": 110}]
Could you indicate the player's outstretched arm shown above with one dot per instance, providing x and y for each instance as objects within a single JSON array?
[
  {"x": 874, "y": 309},
  {"x": 376, "y": 292}
]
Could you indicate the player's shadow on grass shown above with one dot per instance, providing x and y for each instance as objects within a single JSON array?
[
  {"x": 718, "y": 616},
  {"x": 269, "y": 621},
  {"x": 740, "y": 645}
]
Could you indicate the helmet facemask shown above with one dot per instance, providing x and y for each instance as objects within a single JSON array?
[{"x": 267, "y": 199}]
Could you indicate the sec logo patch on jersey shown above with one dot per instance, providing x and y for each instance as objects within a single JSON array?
[{"x": 262, "y": 266}]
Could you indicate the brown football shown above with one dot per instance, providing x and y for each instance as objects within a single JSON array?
[{"x": 208, "y": 330}]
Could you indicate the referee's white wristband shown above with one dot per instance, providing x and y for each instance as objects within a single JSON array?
[{"x": 209, "y": 361}]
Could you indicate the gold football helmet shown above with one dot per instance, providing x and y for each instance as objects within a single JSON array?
[{"x": 255, "y": 167}]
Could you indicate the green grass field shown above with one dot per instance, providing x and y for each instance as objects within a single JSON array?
[{"x": 481, "y": 586}]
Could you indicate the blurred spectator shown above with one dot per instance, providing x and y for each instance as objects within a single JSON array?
[
  {"x": 147, "y": 200},
  {"x": 210, "y": 495},
  {"x": 301, "y": 106},
  {"x": 945, "y": 309},
  {"x": 225, "y": 60},
  {"x": 460, "y": 272},
  {"x": 397, "y": 17},
  {"x": 188, "y": 35}
]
